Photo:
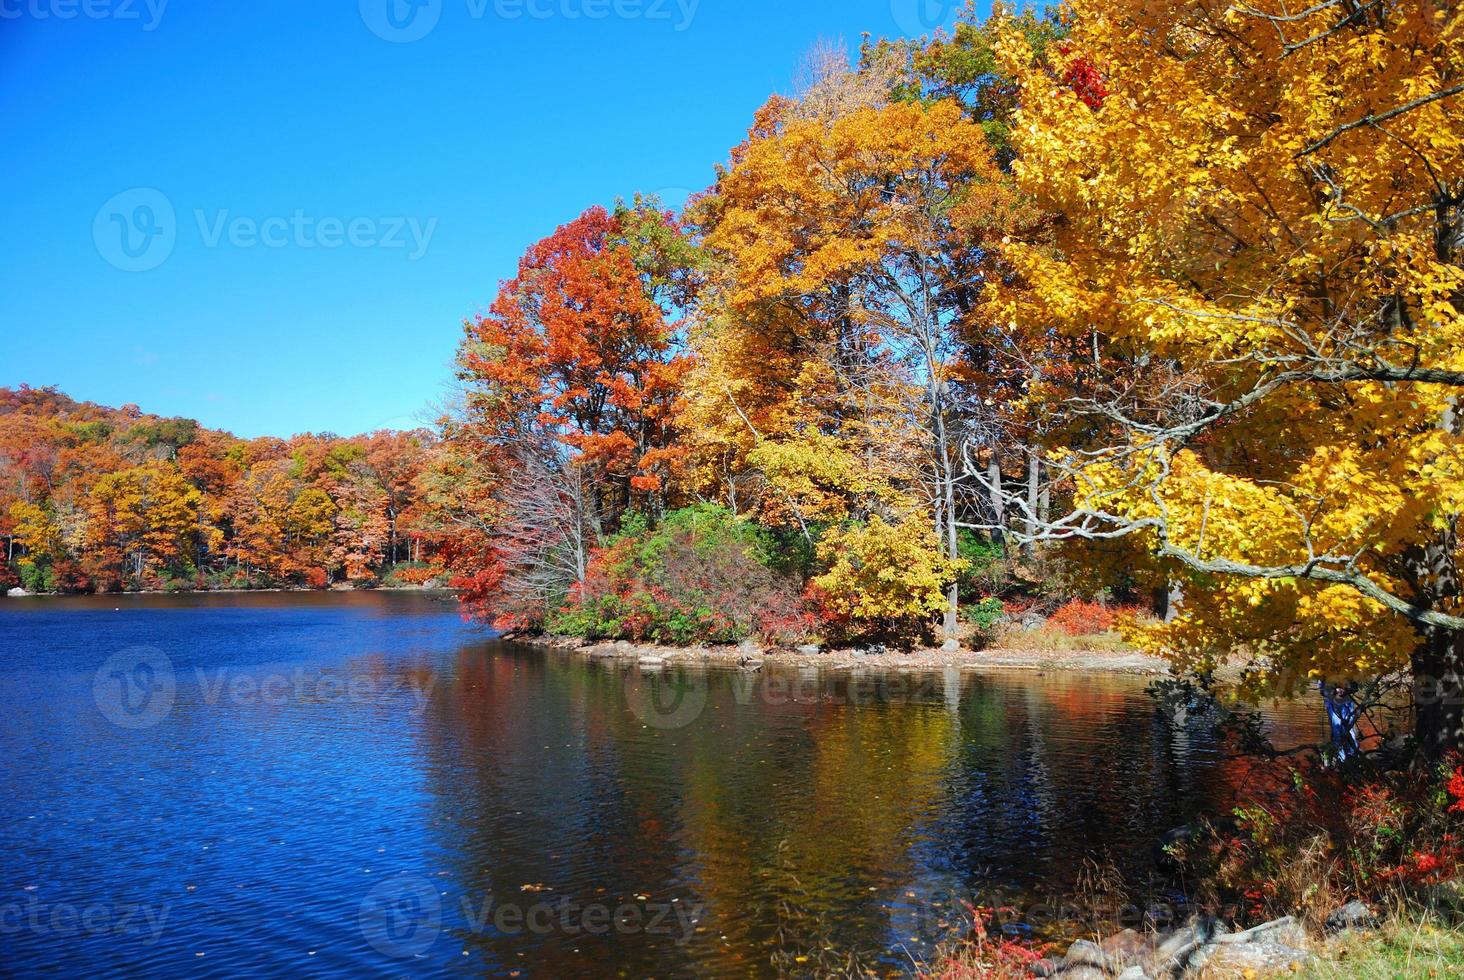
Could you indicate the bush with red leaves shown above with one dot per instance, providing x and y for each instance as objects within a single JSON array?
[{"x": 1081, "y": 617}]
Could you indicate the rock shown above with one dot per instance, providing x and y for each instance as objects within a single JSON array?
[
  {"x": 432, "y": 584},
  {"x": 1133, "y": 973},
  {"x": 1180, "y": 950},
  {"x": 1284, "y": 932},
  {"x": 1033, "y": 621},
  {"x": 1080, "y": 972},
  {"x": 1179, "y": 835},
  {"x": 1125, "y": 948},
  {"x": 1086, "y": 954},
  {"x": 1249, "y": 959},
  {"x": 1447, "y": 897},
  {"x": 19, "y": 594},
  {"x": 1353, "y": 915},
  {"x": 1044, "y": 968},
  {"x": 951, "y": 646},
  {"x": 653, "y": 661},
  {"x": 809, "y": 649}
]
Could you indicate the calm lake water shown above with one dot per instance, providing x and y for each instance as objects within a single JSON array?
[{"x": 264, "y": 785}]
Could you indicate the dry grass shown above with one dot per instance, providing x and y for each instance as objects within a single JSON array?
[{"x": 1049, "y": 640}]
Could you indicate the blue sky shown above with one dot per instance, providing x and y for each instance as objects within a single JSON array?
[{"x": 274, "y": 216}]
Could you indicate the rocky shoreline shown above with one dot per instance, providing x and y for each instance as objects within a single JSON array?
[
  {"x": 1204, "y": 947},
  {"x": 751, "y": 656}
]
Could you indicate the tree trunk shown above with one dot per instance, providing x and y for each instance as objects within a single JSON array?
[
  {"x": 998, "y": 509},
  {"x": 1438, "y": 693},
  {"x": 1438, "y": 660},
  {"x": 1034, "y": 497},
  {"x": 946, "y": 509}
]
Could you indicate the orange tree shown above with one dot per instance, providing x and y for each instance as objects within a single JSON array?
[{"x": 570, "y": 386}]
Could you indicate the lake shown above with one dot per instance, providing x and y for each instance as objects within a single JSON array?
[{"x": 349, "y": 784}]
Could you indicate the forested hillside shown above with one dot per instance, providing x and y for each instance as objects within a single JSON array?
[{"x": 102, "y": 499}]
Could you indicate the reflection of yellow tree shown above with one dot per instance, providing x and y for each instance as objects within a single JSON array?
[{"x": 771, "y": 853}]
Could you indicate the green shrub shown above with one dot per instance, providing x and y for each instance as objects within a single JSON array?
[
  {"x": 36, "y": 577},
  {"x": 701, "y": 576}
]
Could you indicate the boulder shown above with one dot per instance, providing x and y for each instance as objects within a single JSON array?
[
  {"x": 1179, "y": 951},
  {"x": 951, "y": 646},
  {"x": 1086, "y": 954},
  {"x": 18, "y": 593},
  {"x": 1044, "y": 968},
  {"x": 1125, "y": 948},
  {"x": 1285, "y": 932},
  {"x": 1080, "y": 972},
  {"x": 1447, "y": 897},
  {"x": 1353, "y": 915},
  {"x": 1232, "y": 959},
  {"x": 809, "y": 649},
  {"x": 1133, "y": 973}
]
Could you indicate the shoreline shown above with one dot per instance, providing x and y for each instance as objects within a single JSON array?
[
  {"x": 914, "y": 661},
  {"x": 269, "y": 591}
]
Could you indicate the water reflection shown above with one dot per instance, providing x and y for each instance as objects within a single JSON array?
[{"x": 484, "y": 809}]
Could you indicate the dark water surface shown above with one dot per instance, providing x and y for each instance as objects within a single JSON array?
[{"x": 267, "y": 785}]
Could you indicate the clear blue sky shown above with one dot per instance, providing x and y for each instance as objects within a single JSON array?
[{"x": 503, "y": 119}]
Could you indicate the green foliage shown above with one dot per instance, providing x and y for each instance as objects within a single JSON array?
[
  {"x": 172, "y": 434},
  {"x": 985, "y": 615},
  {"x": 985, "y": 572},
  {"x": 965, "y": 66},
  {"x": 36, "y": 576},
  {"x": 669, "y": 262},
  {"x": 701, "y": 576}
]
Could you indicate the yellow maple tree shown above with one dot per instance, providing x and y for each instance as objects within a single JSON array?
[{"x": 1261, "y": 217}]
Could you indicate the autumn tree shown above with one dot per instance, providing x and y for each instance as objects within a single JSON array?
[
  {"x": 1262, "y": 212},
  {"x": 835, "y": 224},
  {"x": 573, "y": 375}
]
